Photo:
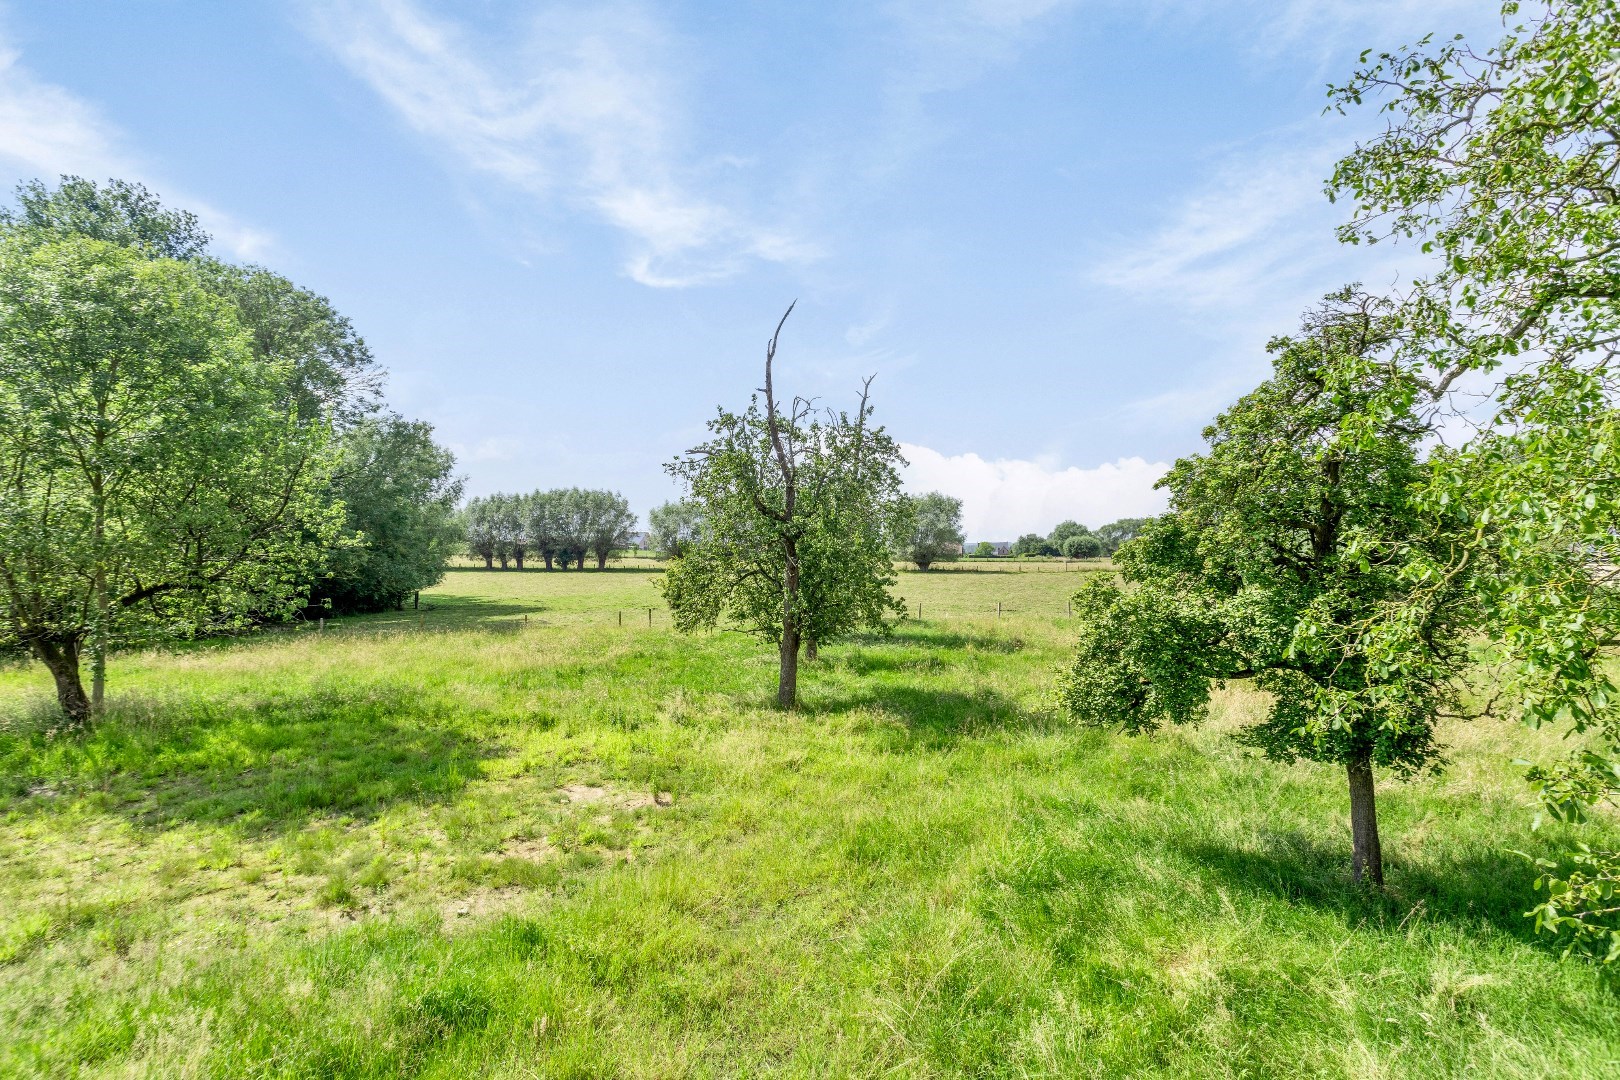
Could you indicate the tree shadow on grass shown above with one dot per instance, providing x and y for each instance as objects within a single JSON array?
[
  {"x": 1476, "y": 886},
  {"x": 922, "y": 636},
  {"x": 915, "y": 718},
  {"x": 260, "y": 766}
]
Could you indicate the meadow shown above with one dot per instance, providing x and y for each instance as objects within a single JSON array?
[{"x": 528, "y": 830}]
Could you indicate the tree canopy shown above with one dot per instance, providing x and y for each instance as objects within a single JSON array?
[
  {"x": 931, "y": 530},
  {"x": 675, "y": 526},
  {"x": 156, "y": 479},
  {"x": 1502, "y": 164},
  {"x": 1262, "y": 570}
]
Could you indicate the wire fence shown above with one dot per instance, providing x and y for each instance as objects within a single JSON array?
[{"x": 456, "y": 619}]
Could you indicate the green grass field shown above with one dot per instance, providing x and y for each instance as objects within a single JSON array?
[{"x": 457, "y": 843}]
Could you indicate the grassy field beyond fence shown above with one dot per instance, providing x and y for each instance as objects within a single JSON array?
[{"x": 504, "y": 835}]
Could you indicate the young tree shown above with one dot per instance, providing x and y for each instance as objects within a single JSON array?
[
  {"x": 1283, "y": 539},
  {"x": 155, "y": 480},
  {"x": 984, "y": 550},
  {"x": 675, "y": 526},
  {"x": 1502, "y": 162},
  {"x": 794, "y": 504},
  {"x": 399, "y": 498},
  {"x": 932, "y": 531}
]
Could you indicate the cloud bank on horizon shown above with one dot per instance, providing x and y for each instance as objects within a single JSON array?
[{"x": 1006, "y": 498}]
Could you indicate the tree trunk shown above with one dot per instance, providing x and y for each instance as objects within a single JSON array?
[
  {"x": 489, "y": 562},
  {"x": 62, "y": 659},
  {"x": 518, "y": 555},
  {"x": 601, "y": 560},
  {"x": 1367, "y": 864},
  {"x": 504, "y": 561},
  {"x": 810, "y": 650},
  {"x": 787, "y": 682}
]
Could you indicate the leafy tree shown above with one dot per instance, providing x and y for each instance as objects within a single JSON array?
[
  {"x": 478, "y": 521},
  {"x": 932, "y": 530},
  {"x": 1032, "y": 544},
  {"x": 543, "y": 524},
  {"x": 330, "y": 371},
  {"x": 155, "y": 479},
  {"x": 675, "y": 526},
  {"x": 1283, "y": 538},
  {"x": 333, "y": 374},
  {"x": 984, "y": 550},
  {"x": 1063, "y": 531},
  {"x": 1083, "y": 546},
  {"x": 399, "y": 495},
  {"x": 1120, "y": 532},
  {"x": 120, "y": 213},
  {"x": 794, "y": 546},
  {"x": 1502, "y": 163},
  {"x": 608, "y": 524}
]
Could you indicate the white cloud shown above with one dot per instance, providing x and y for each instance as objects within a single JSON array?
[
  {"x": 46, "y": 132},
  {"x": 581, "y": 113},
  {"x": 1007, "y": 497}
]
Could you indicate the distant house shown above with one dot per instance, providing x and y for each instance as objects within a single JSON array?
[
  {"x": 999, "y": 547},
  {"x": 638, "y": 541}
]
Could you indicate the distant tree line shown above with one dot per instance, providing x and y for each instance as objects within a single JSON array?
[
  {"x": 1073, "y": 540},
  {"x": 187, "y": 446},
  {"x": 562, "y": 527}
]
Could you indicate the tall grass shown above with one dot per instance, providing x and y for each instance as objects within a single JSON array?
[{"x": 448, "y": 843}]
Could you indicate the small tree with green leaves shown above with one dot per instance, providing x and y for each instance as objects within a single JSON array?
[
  {"x": 795, "y": 545},
  {"x": 984, "y": 550},
  {"x": 1283, "y": 538},
  {"x": 931, "y": 531},
  {"x": 675, "y": 526}
]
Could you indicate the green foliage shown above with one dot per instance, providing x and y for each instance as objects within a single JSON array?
[
  {"x": 675, "y": 526},
  {"x": 1083, "y": 546},
  {"x": 797, "y": 512},
  {"x": 1283, "y": 538},
  {"x": 1033, "y": 544},
  {"x": 118, "y": 212},
  {"x": 984, "y": 549},
  {"x": 1500, "y": 163},
  {"x": 563, "y": 526},
  {"x": 931, "y": 530},
  {"x": 1116, "y": 533},
  {"x": 156, "y": 480},
  {"x": 399, "y": 495}
]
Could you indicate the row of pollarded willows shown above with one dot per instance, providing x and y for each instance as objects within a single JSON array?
[{"x": 562, "y": 527}]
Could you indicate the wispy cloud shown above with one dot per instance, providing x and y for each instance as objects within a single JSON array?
[
  {"x": 1006, "y": 497},
  {"x": 46, "y": 132},
  {"x": 579, "y": 112}
]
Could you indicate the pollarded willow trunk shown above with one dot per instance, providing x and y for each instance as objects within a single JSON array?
[
  {"x": 489, "y": 562},
  {"x": 1367, "y": 863},
  {"x": 61, "y": 658},
  {"x": 518, "y": 555},
  {"x": 601, "y": 560}
]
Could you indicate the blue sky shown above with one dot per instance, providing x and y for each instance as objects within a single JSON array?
[{"x": 1059, "y": 232}]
